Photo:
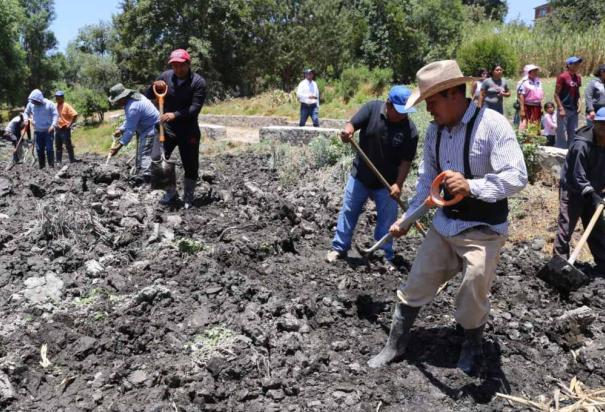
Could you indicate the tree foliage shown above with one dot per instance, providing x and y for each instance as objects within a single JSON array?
[
  {"x": 581, "y": 14},
  {"x": 485, "y": 51},
  {"x": 12, "y": 58},
  {"x": 38, "y": 41}
]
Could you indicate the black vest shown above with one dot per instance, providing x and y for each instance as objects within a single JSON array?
[{"x": 471, "y": 209}]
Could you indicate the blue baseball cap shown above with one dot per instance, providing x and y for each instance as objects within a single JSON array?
[
  {"x": 600, "y": 115},
  {"x": 59, "y": 93},
  {"x": 573, "y": 60},
  {"x": 398, "y": 96}
]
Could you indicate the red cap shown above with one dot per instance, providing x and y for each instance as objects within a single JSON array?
[{"x": 179, "y": 55}]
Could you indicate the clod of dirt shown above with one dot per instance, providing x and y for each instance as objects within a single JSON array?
[
  {"x": 6, "y": 186},
  {"x": 42, "y": 289},
  {"x": 36, "y": 190},
  {"x": 7, "y": 392}
]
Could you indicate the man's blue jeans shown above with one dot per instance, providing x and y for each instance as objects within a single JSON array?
[
  {"x": 566, "y": 128},
  {"x": 356, "y": 195},
  {"x": 44, "y": 146},
  {"x": 307, "y": 110}
]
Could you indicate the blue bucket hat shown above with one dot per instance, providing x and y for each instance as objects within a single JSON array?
[
  {"x": 398, "y": 96},
  {"x": 59, "y": 93},
  {"x": 600, "y": 115},
  {"x": 573, "y": 60}
]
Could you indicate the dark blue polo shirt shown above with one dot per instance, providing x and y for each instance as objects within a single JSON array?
[{"x": 385, "y": 143}]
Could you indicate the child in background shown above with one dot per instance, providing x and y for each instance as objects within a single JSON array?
[{"x": 550, "y": 123}]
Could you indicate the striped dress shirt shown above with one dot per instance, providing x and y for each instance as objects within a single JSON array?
[{"x": 496, "y": 162}]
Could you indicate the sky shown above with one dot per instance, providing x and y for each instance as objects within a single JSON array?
[{"x": 71, "y": 15}]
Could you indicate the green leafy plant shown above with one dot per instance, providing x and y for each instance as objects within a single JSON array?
[
  {"x": 327, "y": 151},
  {"x": 485, "y": 51},
  {"x": 189, "y": 246},
  {"x": 530, "y": 139}
]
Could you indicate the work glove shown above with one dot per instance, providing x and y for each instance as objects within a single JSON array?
[{"x": 596, "y": 199}]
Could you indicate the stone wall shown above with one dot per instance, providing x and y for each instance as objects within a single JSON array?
[
  {"x": 295, "y": 135},
  {"x": 243, "y": 121},
  {"x": 213, "y": 131},
  {"x": 551, "y": 161}
]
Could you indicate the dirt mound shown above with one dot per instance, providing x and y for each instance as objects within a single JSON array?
[{"x": 230, "y": 306}]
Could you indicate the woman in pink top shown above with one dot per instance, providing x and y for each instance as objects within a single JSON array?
[
  {"x": 530, "y": 95},
  {"x": 550, "y": 123}
]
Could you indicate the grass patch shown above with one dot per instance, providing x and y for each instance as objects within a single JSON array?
[
  {"x": 93, "y": 296},
  {"x": 190, "y": 246},
  {"x": 216, "y": 341}
]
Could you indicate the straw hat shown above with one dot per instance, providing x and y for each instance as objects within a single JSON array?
[{"x": 436, "y": 77}]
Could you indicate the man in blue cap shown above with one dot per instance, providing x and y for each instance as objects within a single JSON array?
[
  {"x": 389, "y": 138},
  {"x": 581, "y": 189},
  {"x": 567, "y": 96},
  {"x": 67, "y": 117}
]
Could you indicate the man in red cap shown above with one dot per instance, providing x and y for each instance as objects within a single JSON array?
[{"x": 182, "y": 105}]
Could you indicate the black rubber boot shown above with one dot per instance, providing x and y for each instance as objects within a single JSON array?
[
  {"x": 403, "y": 319},
  {"x": 471, "y": 354},
  {"x": 41, "y": 160}
]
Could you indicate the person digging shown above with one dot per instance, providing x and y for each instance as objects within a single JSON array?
[
  {"x": 389, "y": 138},
  {"x": 581, "y": 190},
  {"x": 14, "y": 132},
  {"x": 142, "y": 118},
  {"x": 183, "y": 102},
  {"x": 483, "y": 162}
]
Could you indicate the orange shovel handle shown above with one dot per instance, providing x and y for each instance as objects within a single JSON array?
[
  {"x": 435, "y": 198},
  {"x": 160, "y": 97}
]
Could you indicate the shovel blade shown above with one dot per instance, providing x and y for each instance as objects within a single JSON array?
[
  {"x": 563, "y": 276},
  {"x": 163, "y": 174}
]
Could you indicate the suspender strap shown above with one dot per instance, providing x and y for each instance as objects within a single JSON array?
[{"x": 467, "y": 145}]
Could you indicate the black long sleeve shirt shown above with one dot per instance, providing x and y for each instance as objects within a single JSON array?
[
  {"x": 185, "y": 99},
  {"x": 583, "y": 171}
]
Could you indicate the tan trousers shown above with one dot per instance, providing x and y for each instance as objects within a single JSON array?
[{"x": 475, "y": 252}]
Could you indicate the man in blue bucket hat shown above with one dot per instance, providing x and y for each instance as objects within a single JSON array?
[{"x": 389, "y": 138}]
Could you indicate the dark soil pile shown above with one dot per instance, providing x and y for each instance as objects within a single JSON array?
[{"x": 230, "y": 305}]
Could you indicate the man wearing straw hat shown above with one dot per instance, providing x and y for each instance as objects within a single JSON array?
[
  {"x": 478, "y": 150},
  {"x": 141, "y": 118}
]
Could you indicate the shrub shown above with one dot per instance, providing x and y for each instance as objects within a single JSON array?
[
  {"x": 328, "y": 151},
  {"x": 529, "y": 140},
  {"x": 354, "y": 77},
  {"x": 485, "y": 51}
]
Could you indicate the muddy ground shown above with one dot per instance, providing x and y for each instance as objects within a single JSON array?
[{"x": 230, "y": 306}]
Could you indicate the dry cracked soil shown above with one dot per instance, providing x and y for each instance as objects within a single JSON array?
[{"x": 229, "y": 306}]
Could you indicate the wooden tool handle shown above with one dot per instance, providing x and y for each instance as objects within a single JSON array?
[
  {"x": 380, "y": 177},
  {"x": 587, "y": 231}
]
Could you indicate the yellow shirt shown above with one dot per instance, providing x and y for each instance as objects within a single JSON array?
[{"x": 66, "y": 115}]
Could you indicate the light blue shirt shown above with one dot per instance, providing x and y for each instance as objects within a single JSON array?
[
  {"x": 141, "y": 118},
  {"x": 496, "y": 161},
  {"x": 44, "y": 115}
]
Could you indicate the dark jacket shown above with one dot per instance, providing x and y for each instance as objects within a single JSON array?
[
  {"x": 583, "y": 171},
  {"x": 184, "y": 100},
  {"x": 595, "y": 95}
]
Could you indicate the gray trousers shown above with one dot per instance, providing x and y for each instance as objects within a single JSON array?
[
  {"x": 144, "y": 148},
  {"x": 566, "y": 128},
  {"x": 572, "y": 208}
]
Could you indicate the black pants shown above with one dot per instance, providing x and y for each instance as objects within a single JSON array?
[
  {"x": 572, "y": 208},
  {"x": 63, "y": 137},
  {"x": 189, "y": 147}
]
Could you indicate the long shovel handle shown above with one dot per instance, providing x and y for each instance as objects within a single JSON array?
[
  {"x": 587, "y": 231},
  {"x": 434, "y": 199},
  {"x": 160, "y": 97},
  {"x": 384, "y": 182}
]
